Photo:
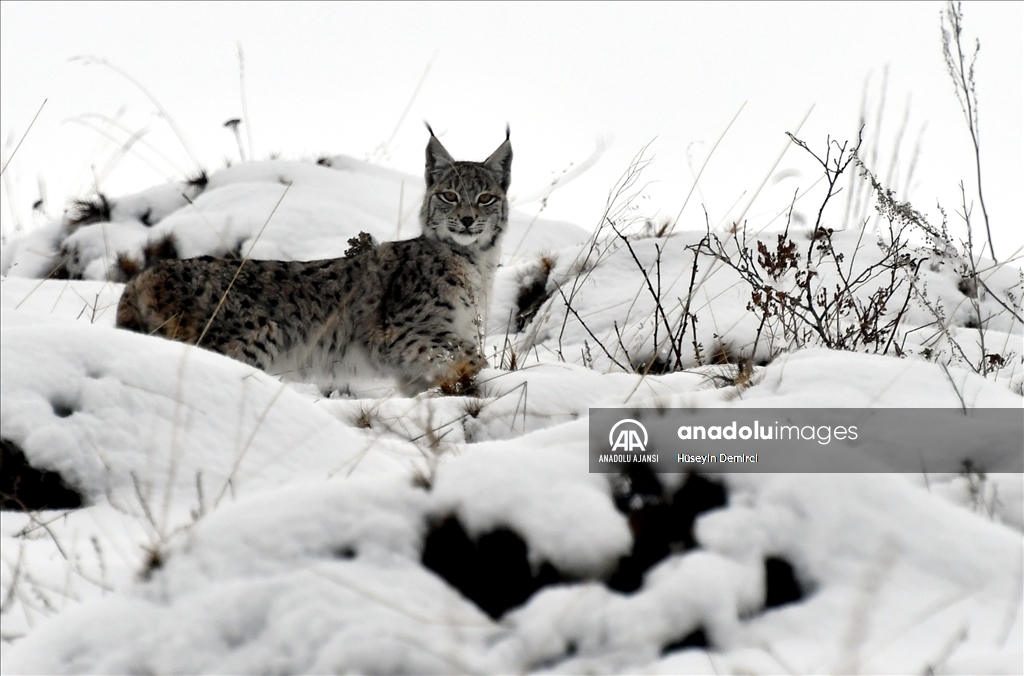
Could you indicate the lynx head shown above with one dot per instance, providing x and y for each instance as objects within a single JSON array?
[{"x": 466, "y": 202}]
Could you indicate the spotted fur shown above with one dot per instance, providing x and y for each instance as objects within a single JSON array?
[{"x": 412, "y": 310}]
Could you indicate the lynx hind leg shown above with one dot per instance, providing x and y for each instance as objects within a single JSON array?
[
  {"x": 129, "y": 315},
  {"x": 186, "y": 301},
  {"x": 145, "y": 307}
]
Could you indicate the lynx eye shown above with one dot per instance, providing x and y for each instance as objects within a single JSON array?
[
  {"x": 449, "y": 196},
  {"x": 485, "y": 198}
]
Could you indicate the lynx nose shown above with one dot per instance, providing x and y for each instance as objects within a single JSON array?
[{"x": 467, "y": 221}]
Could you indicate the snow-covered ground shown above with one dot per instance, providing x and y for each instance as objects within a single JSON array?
[{"x": 233, "y": 523}]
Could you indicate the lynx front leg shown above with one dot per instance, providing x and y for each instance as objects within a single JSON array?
[
  {"x": 451, "y": 366},
  {"x": 458, "y": 375}
]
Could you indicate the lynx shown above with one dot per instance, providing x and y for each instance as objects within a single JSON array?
[{"x": 410, "y": 310}]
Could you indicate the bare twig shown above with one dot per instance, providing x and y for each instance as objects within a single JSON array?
[
  {"x": 22, "y": 139},
  {"x": 88, "y": 60},
  {"x": 224, "y": 296},
  {"x": 961, "y": 70},
  {"x": 245, "y": 107}
]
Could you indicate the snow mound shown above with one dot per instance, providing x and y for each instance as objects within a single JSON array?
[
  {"x": 106, "y": 413},
  {"x": 236, "y": 524},
  {"x": 324, "y": 578},
  {"x": 608, "y": 302},
  {"x": 273, "y": 209}
]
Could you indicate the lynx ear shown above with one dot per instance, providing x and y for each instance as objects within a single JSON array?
[
  {"x": 500, "y": 162},
  {"x": 438, "y": 159}
]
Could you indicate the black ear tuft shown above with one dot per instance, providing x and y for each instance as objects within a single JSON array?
[
  {"x": 500, "y": 162},
  {"x": 508, "y": 131},
  {"x": 429, "y": 129},
  {"x": 438, "y": 159}
]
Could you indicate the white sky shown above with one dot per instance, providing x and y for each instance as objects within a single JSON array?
[{"x": 336, "y": 78}]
